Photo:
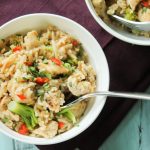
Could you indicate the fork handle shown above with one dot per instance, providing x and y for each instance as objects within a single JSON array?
[
  {"x": 111, "y": 94},
  {"x": 122, "y": 94}
]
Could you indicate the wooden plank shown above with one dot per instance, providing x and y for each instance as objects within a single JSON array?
[
  {"x": 133, "y": 133},
  {"x": 6, "y": 143}
]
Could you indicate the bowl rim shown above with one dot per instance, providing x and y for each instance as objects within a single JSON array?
[
  {"x": 44, "y": 141},
  {"x": 111, "y": 31}
]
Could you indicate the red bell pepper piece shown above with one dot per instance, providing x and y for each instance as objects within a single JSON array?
[
  {"x": 60, "y": 125},
  {"x": 23, "y": 129},
  {"x": 41, "y": 80},
  {"x": 21, "y": 96},
  {"x": 17, "y": 48},
  {"x": 56, "y": 61}
]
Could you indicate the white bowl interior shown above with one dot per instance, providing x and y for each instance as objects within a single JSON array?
[
  {"x": 118, "y": 33},
  {"x": 96, "y": 57}
]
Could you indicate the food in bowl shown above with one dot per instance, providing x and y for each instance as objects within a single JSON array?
[
  {"x": 135, "y": 10},
  {"x": 39, "y": 71}
]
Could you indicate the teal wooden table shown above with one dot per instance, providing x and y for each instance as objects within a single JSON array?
[
  {"x": 133, "y": 133},
  {"x": 7, "y": 143}
]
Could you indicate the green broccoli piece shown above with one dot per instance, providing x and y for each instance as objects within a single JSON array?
[
  {"x": 130, "y": 15},
  {"x": 69, "y": 67},
  {"x": 49, "y": 48},
  {"x": 68, "y": 113},
  {"x": 25, "y": 112},
  {"x": 71, "y": 61},
  {"x": 5, "y": 120}
]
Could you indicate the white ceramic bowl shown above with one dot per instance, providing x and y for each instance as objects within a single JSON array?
[
  {"x": 96, "y": 56},
  {"x": 118, "y": 33}
]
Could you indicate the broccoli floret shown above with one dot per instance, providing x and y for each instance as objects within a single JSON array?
[
  {"x": 130, "y": 15},
  {"x": 34, "y": 71},
  {"x": 49, "y": 48},
  {"x": 68, "y": 113},
  {"x": 68, "y": 66},
  {"x": 25, "y": 112},
  {"x": 71, "y": 61}
]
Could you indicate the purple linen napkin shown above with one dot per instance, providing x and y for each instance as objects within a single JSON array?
[{"x": 75, "y": 10}]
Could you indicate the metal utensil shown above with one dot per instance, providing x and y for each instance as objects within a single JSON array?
[
  {"x": 143, "y": 26},
  {"x": 111, "y": 94}
]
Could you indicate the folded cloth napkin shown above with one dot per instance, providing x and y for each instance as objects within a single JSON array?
[
  {"x": 129, "y": 65},
  {"x": 133, "y": 132}
]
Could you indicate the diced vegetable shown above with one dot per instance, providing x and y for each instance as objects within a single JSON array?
[
  {"x": 71, "y": 61},
  {"x": 46, "y": 86},
  {"x": 48, "y": 75},
  {"x": 80, "y": 53},
  {"x": 41, "y": 80},
  {"x": 129, "y": 14},
  {"x": 68, "y": 113},
  {"x": 36, "y": 73},
  {"x": 28, "y": 63},
  {"x": 25, "y": 112},
  {"x": 17, "y": 48},
  {"x": 15, "y": 42},
  {"x": 70, "y": 116},
  {"x": 75, "y": 43},
  {"x": 23, "y": 129},
  {"x": 28, "y": 78},
  {"x": 45, "y": 74},
  {"x": 33, "y": 71},
  {"x": 35, "y": 64},
  {"x": 45, "y": 61},
  {"x": 145, "y": 3},
  {"x": 5, "y": 120},
  {"x": 42, "y": 97},
  {"x": 63, "y": 111},
  {"x": 50, "y": 48},
  {"x": 60, "y": 125},
  {"x": 21, "y": 96},
  {"x": 69, "y": 67},
  {"x": 40, "y": 92},
  {"x": 56, "y": 61}
]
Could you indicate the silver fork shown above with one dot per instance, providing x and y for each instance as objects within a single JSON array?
[
  {"x": 140, "y": 96},
  {"x": 143, "y": 26}
]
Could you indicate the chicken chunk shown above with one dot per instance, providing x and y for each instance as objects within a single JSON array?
[
  {"x": 45, "y": 37},
  {"x": 144, "y": 15},
  {"x": 82, "y": 81},
  {"x": 52, "y": 68},
  {"x": 3, "y": 89},
  {"x": 54, "y": 99},
  {"x": 78, "y": 109},
  {"x": 133, "y": 3},
  {"x": 67, "y": 124},
  {"x": 47, "y": 131},
  {"x": 31, "y": 40},
  {"x": 10, "y": 115},
  {"x": 3, "y": 103},
  {"x": 8, "y": 62},
  {"x": 101, "y": 8},
  {"x": 26, "y": 89}
]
